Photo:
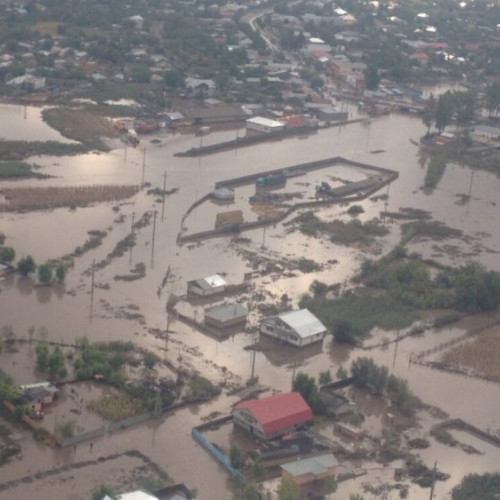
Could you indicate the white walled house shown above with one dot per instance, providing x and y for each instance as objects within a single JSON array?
[{"x": 299, "y": 328}]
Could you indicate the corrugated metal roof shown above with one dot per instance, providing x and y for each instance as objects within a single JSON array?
[
  {"x": 226, "y": 312},
  {"x": 137, "y": 495},
  {"x": 266, "y": 122},
  {"x": 278, "y": 412},
  {"x": 215, "y": 281},
  {"x": 303, "y": 322},
  {"x": 314, "y": 465}
]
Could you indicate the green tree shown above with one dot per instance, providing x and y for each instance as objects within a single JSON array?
[
  {"x": 444, "y": 111},
  {"x": 251, "y": 492},
  {"x": 341, "y": 373},
  {"x": 258, "y": 469},
  {"x": 493, "y": 98},
  {"x": 429, "y": 113},
  {"x": 325, "y": 377},
  {"x": 45, "y": 273},
  {"x": 8, "y": 389},
  {"x": 55, "y": 364},
  {"x": 478, "y": 487},
  {"x": 465, "y": 103},
  {"x": 7, "y": 254},
  {"x": 60, "y": 272},
  {"x": 26, "y": 265},
  {"x": 42, "y": 358},
  {"x": 372, "y": 78},
  {"x": 103, "y": 490},
  {"x": 330, "y": 486},
  {"x": 237, "y": 456},
  {"x": 307, "y": 387},
  {"x": 344, "y": 332},
  {"x": 288, "y": 490},
  {"x": 174, "y": 79},
  {"x": 356, "y": 496}
]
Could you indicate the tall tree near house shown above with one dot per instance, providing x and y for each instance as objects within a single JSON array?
[
  {"x": 444, "y": 111},
  {"x": 493, "y": 98},
  {"x": 465, "y": 104},
  {"x": 429, "y": 113}
]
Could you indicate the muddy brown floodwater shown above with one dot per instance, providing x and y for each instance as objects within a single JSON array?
[{"x": 66, "y": 311}]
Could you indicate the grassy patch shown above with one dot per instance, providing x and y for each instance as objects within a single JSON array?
[
  {"x": 428, "y": 229},
  {"x": 54, "y": 197},
  {"x": 20, "y": 150},
  {"x": 80, "y": 126},
  {"x": 343, "y": 233},
  {"x": 15, "y": 170},
  {"x": 435, "y": 171},
  {"x": 116, "y": 405}
]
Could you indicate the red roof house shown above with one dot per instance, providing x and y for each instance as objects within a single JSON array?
[{"x": 274, "y": 416}]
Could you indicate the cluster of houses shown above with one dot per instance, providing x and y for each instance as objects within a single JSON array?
[
  {"x": 282, "y": 415},
  {"x": 298, "y": 328}
]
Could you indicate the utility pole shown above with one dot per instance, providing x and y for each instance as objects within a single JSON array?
[
  {"x": 163, "y": 197},
  {"x": 395, "y": 350},
  {"x": 253, "y": 358},
  {"x": 92, "y": 290},
  {"x": 131, "y": 232},
  {"x": 434, "y": 470},
  {"x": 143, "y": 167},
  {"x": 153, "y": 239}
]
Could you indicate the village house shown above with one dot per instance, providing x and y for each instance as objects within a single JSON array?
[
  {"x": 299, "y": 328},
  {"x": 274, "y": 416},
  {"x": 264, "y": 125},
  {"x": 196, "y": 87},
  {"x": 204, "y": 287},
  {"x": 226, "y": 315},
  {"x": 310, "y": 469}
]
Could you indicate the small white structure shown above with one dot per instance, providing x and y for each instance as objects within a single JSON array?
[
  {"x": 136, "y": 495},
  {"x": 299, "y": 328},
  {"x": 265, "y": 125},
  {"x": 223, "y": 194},
  {"x": 205, "y": 287}
]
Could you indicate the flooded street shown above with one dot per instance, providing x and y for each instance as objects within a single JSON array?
[{"x": 66, "y": 310}]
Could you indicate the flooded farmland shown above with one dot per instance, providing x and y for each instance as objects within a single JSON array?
[{"x": 133, "y": 310}]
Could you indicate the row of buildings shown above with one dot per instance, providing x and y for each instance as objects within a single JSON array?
[{"x": 298, "y": 328}]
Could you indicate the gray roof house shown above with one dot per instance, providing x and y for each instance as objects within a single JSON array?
[
  {"x": 299, "y": 328},
  {"x": 226, "y": 315}
]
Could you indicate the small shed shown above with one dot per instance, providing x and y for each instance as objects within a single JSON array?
[
  {"x": 230, "y": 219},
  {"x": 310, "y": 469},
  {"x": 223, "y": 194},
  {"x": 205, "y": 287},
  {"x": 226, "y": 315}
]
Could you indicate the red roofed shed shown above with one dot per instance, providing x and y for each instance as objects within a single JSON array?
[{"x": 274, "y": 416}]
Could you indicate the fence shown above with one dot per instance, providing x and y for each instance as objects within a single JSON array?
[{"x": 219, "y": 456}]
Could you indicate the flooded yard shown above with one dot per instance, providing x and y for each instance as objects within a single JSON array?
[{"x": 133, "y": 310}]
